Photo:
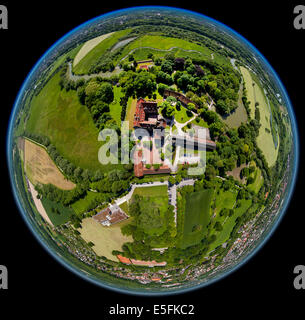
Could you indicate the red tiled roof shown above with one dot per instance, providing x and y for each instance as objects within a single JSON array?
[
  {"x": 143, "y": 110},
  {"x": 123, "y": 259}
]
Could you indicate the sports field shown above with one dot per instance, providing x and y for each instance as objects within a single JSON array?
[
  {"x": 40, "y": 168},
  {"x": 196, "y": 217},
  {"x": 105, "y": 239},
  {"x": 88, "y": 46},
  {"x": 59, "y": 115},
  {"x": 94, "y": 55}
]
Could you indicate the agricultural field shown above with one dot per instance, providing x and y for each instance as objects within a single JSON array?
[
  {"x": 196, "y": 217},
  {"x": 265, "y": 139},
  {"x": 59, "y": 115},
  {"x": 105, "y": 239},
  {"x": 40, "y": 168},
  {"x": 94, "y": 55},
  {"x": 249, "y": 89},
  {"x": 255, "y": 94},
  {"x": 57, "y": 213},
  {"x": 88, "y": 46}
]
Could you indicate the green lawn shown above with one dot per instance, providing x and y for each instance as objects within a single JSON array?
[
  {"x": 201, "y": 123},
  {"x": 258, "y": 180},
  {"x": 64, "y": 212},
  {"x": 94, "y": 55},
  {"x": 157, "y": 206},
  {"x": 225, "y": 199},
  {"x": 115, "y": 107},
  {"x": 181, "y": 115},
  {"x": 81, "y": 205},
  {"x": 156, "y": 191},
  {"x": 154, "y": 202},
  {"x": 196, "y": 217},
  {"x": 124, "y": 207},
  {"x": 229, "y": 223}
]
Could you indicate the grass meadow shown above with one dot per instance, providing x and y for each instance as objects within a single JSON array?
[
  {"x": 81, "y": 205},
  {"x": 180, "y": 47},
  {"x": 57, "y": 213},
  {"x": 196, "y": 217},
  {"x": 59, "y": 115},
  {"x": 228, "y": 224},
  {"x": 105, "y": 239},
  {"x": 255, "y": 94}
]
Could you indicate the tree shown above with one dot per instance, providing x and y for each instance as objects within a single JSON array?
[
  {"x": 105, "y": 93},
  {"x": 179, "y": 63},
  {"x": 167, "y": 66},
  {"x": 168, "y": 110},
  {"x": 161, "y": 88},
  {"x": 171, "y": 180}
]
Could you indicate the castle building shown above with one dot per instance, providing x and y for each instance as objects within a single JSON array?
[{"x": 147, "y": 116}]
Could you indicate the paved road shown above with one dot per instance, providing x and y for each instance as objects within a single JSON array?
[
  {"x": 108, "y": 74},
  {"x": 172, "y": 193}
]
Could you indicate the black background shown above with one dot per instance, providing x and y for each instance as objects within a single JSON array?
[{"x": 265, "y": 282}]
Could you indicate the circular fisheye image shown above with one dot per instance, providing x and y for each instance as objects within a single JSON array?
[{"x": 152, "y": 150}]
